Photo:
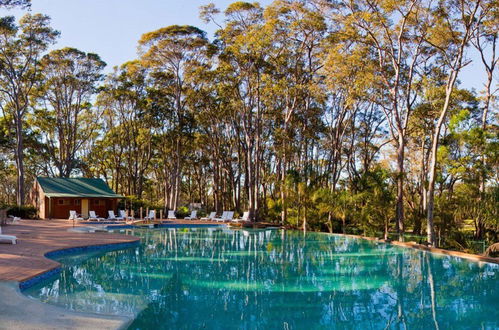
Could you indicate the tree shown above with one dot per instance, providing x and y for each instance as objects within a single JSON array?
[
  {"x": 453, "y": 27},
  {"x": 21, "y": 47},
  {"x": 170, "y": 53},
  {"x": 23, "y": 4},
  {"x": 392, "y": 34},
  {"x": 67, "y": 118}
]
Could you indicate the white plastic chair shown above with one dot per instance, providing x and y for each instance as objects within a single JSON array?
[
  {"x": 74, "y": 216},
  {"x": 193, "y": 216},
  {"x": 171, "y": 215},
  {"x": 11, "y": 238},
  {"x": 245, "y": 217},
  {"x": 112, "y": 216},
  {"x": 210, "y": 217},
  {"x": 151, "y": 215},
  {"x": 93, "y": 216}
]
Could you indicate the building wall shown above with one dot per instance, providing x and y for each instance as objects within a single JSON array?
[{"x": 62, "y": 205}]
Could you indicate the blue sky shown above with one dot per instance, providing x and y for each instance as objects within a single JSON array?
[{"x": 111, "y": 28}]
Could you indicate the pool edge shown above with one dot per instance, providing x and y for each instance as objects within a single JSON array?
[
  {"x": 414, "y": 245},
  {"x": 29, "y": 282}
]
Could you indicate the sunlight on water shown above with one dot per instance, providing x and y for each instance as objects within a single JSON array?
[{"x": 272, "y": 279}]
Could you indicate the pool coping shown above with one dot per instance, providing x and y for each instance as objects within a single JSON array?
[
  {"x": 28, "y": 283},
  {"x": 414, "y": 245}
]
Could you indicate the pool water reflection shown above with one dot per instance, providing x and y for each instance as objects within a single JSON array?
[{"x": 217, "y": 278}]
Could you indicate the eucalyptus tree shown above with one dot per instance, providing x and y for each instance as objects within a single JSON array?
[
  {"x": 170, "y": 53},
  {"x": 21, "y": 47},
  {"x": 453, "y": 26},
  {"x": 67, "y": 117},
  {"x": 485, "y": 41},
  {"x": 297, "y": 32},
  {"x": 23, "y": 4},
  {"x": 391, "y": 34},
  {"x": 127, "y": 119},
  {"x": 242, "y": 63}
]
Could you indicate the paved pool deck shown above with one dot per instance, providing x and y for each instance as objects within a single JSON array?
[{"x": 26, "y": 259}]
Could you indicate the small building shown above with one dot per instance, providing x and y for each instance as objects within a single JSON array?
[{"x": 55, "y": 197}]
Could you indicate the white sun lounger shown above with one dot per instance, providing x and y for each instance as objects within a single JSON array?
[
  {"x": 210, "y": 217},
  {"x": 193, "y": 216},
  {"x": 151, "y": 215},
  {"x": 93, "y": 216},
  {"x": 245, "y": 217},
  {"x": 74, "y": 216},
  {"x": 14, "y": 219},
  {"x": 222, "y": 218},
  {"x": 171, "y": 215},
  {"x": 113, "y": 217},
  {"x": 11, "y": 238},
  {"x": 125, "y": 216},
  {"x": 227, "y": 216}
]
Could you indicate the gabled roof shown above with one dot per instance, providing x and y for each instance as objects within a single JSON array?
[{"x": 76, "y": 187}]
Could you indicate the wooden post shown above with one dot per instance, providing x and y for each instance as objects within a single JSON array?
[
  {"x": 141, "y": 213},
  {"x": 161, "y": 215}
]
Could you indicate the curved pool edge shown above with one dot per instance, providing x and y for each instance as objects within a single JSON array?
[
  {"x": 18, "y": 311},
  {"x": 23, "y": 285},
  {"x": 416, "y": 246}
]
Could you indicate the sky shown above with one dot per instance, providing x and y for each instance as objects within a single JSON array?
[{"x": 112, "y": 28}]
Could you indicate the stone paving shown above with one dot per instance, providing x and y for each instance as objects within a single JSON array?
[{"x": 24, "y": 260}]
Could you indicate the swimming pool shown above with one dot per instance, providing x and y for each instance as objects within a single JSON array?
[{"x": 217, "y": 278}]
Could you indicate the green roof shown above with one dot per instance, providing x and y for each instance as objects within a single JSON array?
[{"x": 76, "y": 187}]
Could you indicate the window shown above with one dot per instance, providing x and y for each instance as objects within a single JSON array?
[
  {"x": 64, "y": 201},
  {"x": 77, "y": 201}
]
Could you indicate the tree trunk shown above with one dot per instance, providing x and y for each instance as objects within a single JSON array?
[
  {"x": 20, "y": 197},
  {"x": 400, "y": 186}
]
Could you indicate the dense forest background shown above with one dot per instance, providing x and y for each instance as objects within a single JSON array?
[{"x": 342, "y": 116}]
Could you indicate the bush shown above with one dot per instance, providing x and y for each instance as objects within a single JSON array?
[
  {"x": 23, "y": 211},
  {"x": 182, "y": 212}
]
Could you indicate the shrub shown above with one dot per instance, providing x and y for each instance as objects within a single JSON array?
[
  {"x": 182, "y": 212},
  {"x": 22, "y": 211}
]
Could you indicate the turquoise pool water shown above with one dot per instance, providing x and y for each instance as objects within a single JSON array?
[{"x": 273, "y": 279}]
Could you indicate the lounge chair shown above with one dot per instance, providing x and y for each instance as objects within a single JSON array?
[
  {"x": 74, "y": 216},
  {"x": 11, "y": 238},
  {"x": 151, "y": 215},
  {"x": 171, "y": 215},
  {"x": 93, "y": 216},
  {"x": 113, "y": 217},
  {"x": 227, "y": 216},
  {"x": 14, "y": 219},
  {"x": 244, "y": 218},
  {"x": 193, "y": 216},
  {"x": 124, "y": 215},
  {"x": 210, "y": 217},
  {"x": 222, "y": 218}
]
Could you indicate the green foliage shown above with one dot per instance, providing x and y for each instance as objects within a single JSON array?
[
  {"x": 182, "y": 212},
  {"x": 23, "y": 211}
]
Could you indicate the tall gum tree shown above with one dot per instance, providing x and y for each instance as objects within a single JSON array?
[
  {"x": 21, "y": 47},
  {"x": 69, "y": 80},
  {"x": 171, "y": 52},
  {"x": 393, "y": 34},
  {"x": 297, "y": 33},
  {"x": 453, "y": 25}
]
